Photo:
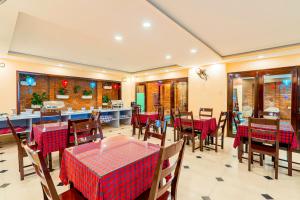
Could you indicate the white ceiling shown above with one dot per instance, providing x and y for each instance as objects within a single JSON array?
[
  {"x": 81, "y": 31},
  {"x": 237, "y": 26}
]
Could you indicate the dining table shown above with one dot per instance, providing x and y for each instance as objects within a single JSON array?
[
  {"x": 118, "y": 167},
  {"x": 50, "y": 137},
  {"x": 206, "y": 125},
  {"x": 287, "y": 138}
]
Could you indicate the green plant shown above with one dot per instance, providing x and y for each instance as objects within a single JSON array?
[
  {"x": 76, "y": 88},
  {"x": 87, "y": 92},
  {"x": 62, "y": 91},
  {"x": 105, "y": 99},
  {"x": 38, "y": 99}
]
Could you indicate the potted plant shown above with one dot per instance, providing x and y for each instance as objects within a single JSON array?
[
  {"x": 37, "y": 100},
  {"x": 76, "y": 88},
  {"x": 87, "y": 94},
  {"x": 62, "y": 93},
  {"x": 105, "y": 100}
]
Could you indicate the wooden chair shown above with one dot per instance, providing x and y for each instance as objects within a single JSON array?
[
  {"x": 187, "y": 128},
  {"x": 136, "y": 122},
  {"x": 46, "y": 114},
  {"x": 159, "y": 190},
  {"x": 95, "y": 115},
  {"x": 174, "y": 114},
  {"x": 159, "y": 109},
  {"x": 263, "y": 146},
  {"x": 205, "y": 112},
  {"x": 220, "y": 130},
  {"x": 21, "y": 151},
  {"x": 159, "y": 130},
  {"x": 269, "y": 115},
  {"x": 71, "y": 139},
  {"x": 90, "y": 130},
  {"x": 49, "y": 191}
]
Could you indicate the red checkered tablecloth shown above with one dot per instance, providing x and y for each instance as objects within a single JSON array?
[
  {"x": 145, "y": 115},
  {"x": 50, "y": 137},
  {"x": 205, "y": 125},
  {"x": 118, "y": 167},
  {"x": 287, "y": 134}
]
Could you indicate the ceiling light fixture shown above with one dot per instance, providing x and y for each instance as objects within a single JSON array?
[
  {"x": 168, "y": 57},
  {"x": 260, "y": 56},
  {"x": 118, "y": 37},
  {"x": 147, "y": 24},
  {"x": 193, "y": 51},
  {"x": 59, "y": 65},
  {"x": 103, "y": 71}
]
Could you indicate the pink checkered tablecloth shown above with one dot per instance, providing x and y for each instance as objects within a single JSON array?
[
  {"x": 205, "y": 125},
  {"x": 287, "y": 134},
  {"x": 118, "y": 167},
  {"x": 50, "y": 137}
]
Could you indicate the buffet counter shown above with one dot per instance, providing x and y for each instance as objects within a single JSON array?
[{"x": 111, "y": 117}]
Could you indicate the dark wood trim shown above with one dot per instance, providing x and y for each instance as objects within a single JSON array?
[
  {"x": 259, "y": 87},
  {"x": 164, "y": 81}
]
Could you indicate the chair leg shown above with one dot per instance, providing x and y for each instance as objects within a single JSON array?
[
  {"x": 261, "y": 160},
  {"x": 60, "y": 157},
  {"x": 21, "y": 166},
  {"x": 133, "y": 130},
  {"x": 193, "y": 143},
  {"x": 50, "y": 161},
  {"x": 289, "y": 158},
  {"x": 249, "y": 161},
  {"x": 140, "y": 132},
  {"x": 201, "y": 143},
  {"x": 276, "y": 167},
  {"x": 216, "y": 143},
  {"x": 251, "y": 157},
  {"x": 222, "y": 142},
  {"x": 240, "y": 152},
  {"x": 174, "y": 133}
]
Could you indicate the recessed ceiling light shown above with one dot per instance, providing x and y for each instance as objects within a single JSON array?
[
  {"x": 118, "y": 37},
  {"x": 59, "y": 65},
  {"x": 168, "y": 57},
  {"x": 193, "y": 50},
  {"x": 260, "y": 56},
  {"x": 147, "y": 24},
  {"x": 103, "y": 71},
  {"x": 167, "y": 70}
]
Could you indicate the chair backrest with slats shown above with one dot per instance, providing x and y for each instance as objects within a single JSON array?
[
  {"x": 186, "y": 121},
  {"x": 95, "y": 115},
  {"x": 42, "y": 172},
  {"x": 264, "y": 127},
  {"x": 222, "y": 121},
  {"x": 236, "y": 120},
  {"x": 14, "y": 133},
  {"x": 205, "y": 112},
  {"x": 136, "y": 115},
  {"x": 48, "y": 116},
  {"x": 90, "y": 130},
  {"x": 156, "y": 129},
  {"x": 70, "y": 140},
  {"x": 166, "y": 153},
  {"x": 159, "y": 109}
]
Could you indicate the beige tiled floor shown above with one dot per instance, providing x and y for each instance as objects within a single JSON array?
[{"x": 197, "y": 181}]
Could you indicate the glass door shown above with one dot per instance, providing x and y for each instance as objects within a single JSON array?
[
  {"x": 181, "y": 96},
  {"x": 242, "y": 102},
  {"x": 165, "y": 97},
  {"x": 277, "y": 95},
  {"x": 140, "y": 96}
]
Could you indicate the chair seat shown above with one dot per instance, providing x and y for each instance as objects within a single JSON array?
[
  {"x": 145, "y": 196},
  {"x": 71, "y": 194},
  {"x": 265, "y": 149}
]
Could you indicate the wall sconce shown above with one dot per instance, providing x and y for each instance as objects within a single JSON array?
[
  {"x": 202, "y": 73},
  {"x": 2, "y": 65}
]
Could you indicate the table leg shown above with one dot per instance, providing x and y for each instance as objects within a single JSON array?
[
  {"x": 133, "y": 131},
  {"x": 289, "y": 158}
]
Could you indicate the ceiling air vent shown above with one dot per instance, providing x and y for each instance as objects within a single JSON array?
[{"x": 2, "y": 1}]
